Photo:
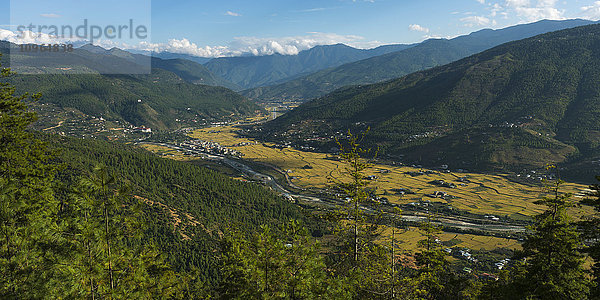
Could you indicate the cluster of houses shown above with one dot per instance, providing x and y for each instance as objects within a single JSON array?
[
  {"x": 245, "y": 144},
  {"x": 420, "y": 173},
  {"x": 466, "y": 254},
  {"x": 440, "y": 194},
  {"x": 142, "y": 129},
  {"x": 533, "y": 175},
  {"x": 519, "y": 123},
  {"x": 442, "y": 183},
  {"x": 421, "y": 136},
  {"x": 403, "y": 191},
  {"x": 502, "y": 263},
  {"x": 210, "y": 147},
  {"x": 491, "y": 217}
]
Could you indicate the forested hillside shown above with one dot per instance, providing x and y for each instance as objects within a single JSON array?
[
  {"x": 192, "y": 72},
  {"x": 205, "y": 202},
  {"x": 164, "y": 97},
  {"x": 175, "y": 89},
  {"x": 428, "y": 54},
  {"x": 521, "y": 103},
  {"x": 84, "y": 218}
]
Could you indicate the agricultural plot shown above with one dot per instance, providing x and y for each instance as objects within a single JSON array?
[
  {"x": 477, "y": 193},
  {"x": 408, "y": 240},
  {"x": 164, "y": 151}
]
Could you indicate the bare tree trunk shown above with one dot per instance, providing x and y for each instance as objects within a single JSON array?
[
  {"x": 89, "y": 249},
  {"x": 107, "y": 232},
  {"x": 356, "y": 231},
  {"x": 110, "y": 271},
  {"x": 393, "y": 262}
]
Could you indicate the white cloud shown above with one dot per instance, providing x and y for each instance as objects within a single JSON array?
[
  {"x": 528, "y": 11},
  {"x": 233, "y": 14},
  {"x": 28, "y": 37},
  {"x": 257, "y": 46},
  {"x": 183, "y": 46},
  {"x": 517, "y": 3},
  {"x": 591, "y": 12},
  {"x": 472, "y": 21},
  {"x": 417, "y": 27},
  {"x": 481, "y": 1},
  {"x": 289, "y": 45},
  {"x": 314, "y": 9},
  {"x": 50, "y": 15}
]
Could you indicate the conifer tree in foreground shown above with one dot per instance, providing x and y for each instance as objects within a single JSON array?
[
  {"x": 429, "y": 282},
  {"x": 368, "y": 264},
  {"x": 591, "y": 226},
  {"x": 276, "y": 266},
  {"x": 552, "y": 266},
  {"x": 26, "y": 198},
  {"x": 110, "y": 259}
]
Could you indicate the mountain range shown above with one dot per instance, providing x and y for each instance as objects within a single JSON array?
[
  {"x": 428, "y": 54},
  {"x": 522, "y": 104},
  {"x": 253, "y": 71}
]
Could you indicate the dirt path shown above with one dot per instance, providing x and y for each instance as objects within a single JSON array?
[{"x": 53, "y": 127}]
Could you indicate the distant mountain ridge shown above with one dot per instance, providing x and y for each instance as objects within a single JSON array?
[
  {"x": 522, "y": 104},
  {"x": 427, "y": 54},
  {"x": 253, "y": 71},
  {"x": 171, "y": 55},
  {"x": 190, "y": 70}
]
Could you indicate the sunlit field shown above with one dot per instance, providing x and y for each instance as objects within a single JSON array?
[
  {"x": 408, "y": 240},
  {"x": 482, "y": 194}
]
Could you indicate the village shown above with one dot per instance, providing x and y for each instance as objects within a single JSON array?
[{"x": 210, "y": 148}]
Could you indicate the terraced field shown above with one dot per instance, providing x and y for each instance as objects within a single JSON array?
[
  {"x": 408, "y": 240},
  {"x": 499, "y": 194}
]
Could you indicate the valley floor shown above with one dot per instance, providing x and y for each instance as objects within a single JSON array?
[{"x": 497, "y": 202}]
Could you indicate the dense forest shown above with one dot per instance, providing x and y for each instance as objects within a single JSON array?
[{"x": 502, "y": 106}]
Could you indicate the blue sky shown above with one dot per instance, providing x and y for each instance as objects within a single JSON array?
[{"x": 232, "y": 27}]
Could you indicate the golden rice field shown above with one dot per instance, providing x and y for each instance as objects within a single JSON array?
[
  {"x": 407, "y": 240},
  {"x": 484, "y": 194}
]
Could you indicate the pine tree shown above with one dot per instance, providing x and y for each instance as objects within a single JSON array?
[
  {"x": 591, "y": 226},
  {"x": 355, "y": 192},
  {"x": 269, "y": 266},
  {"x": 432, "y": 274},
  {"x": 368, "y": 264},
  {"x": 109, "y": 257},
  {"x": 552, "y": 266},
  {"x": 26, "y": 178}
]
